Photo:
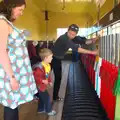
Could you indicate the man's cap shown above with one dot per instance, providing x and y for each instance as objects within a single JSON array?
[{"x": 73, "y": 27}]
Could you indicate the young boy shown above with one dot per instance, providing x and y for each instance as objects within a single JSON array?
[{"x": 41, "y": 73}]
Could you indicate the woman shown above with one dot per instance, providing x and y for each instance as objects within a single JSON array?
[{"x": 17, "y": 84}]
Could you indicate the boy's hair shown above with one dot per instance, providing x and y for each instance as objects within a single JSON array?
[{"x": 45, "y": 52}]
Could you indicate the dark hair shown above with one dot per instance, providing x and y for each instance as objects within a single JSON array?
[{"x": 6, "y": 9}]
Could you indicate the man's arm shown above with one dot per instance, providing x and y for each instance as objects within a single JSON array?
[
  {"x": 80, "y": 50},
  {"x": 84, "y": 51},
  {"x": 82, "y": 40},
  {"x": 79, "y": 40},
  {"x": 90, "y": 41}
]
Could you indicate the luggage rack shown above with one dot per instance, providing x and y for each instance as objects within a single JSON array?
[{"x": 81, "y": 101}]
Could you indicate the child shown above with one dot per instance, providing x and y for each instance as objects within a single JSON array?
[{"x": 41, "y": 73}]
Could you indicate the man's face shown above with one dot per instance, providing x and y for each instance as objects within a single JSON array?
[{"x": 71, "y": 34}]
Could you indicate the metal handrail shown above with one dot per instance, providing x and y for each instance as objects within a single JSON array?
[{"x": 106, "y": 27}]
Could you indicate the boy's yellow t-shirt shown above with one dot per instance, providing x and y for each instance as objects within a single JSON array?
[{"x": 47, "y": 69}]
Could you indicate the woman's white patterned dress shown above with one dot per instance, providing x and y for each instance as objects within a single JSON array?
[{"x": 21, "y": 66}]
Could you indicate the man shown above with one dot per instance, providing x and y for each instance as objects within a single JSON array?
[
  {"x": 78, "y": 40},
  {"x": 61, "y": 46}
]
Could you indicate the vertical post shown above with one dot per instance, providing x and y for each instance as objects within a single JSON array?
[
  {"x": 46, "y": 30},
  {"x": 98, "y": 16},
  {"x": 63, "y": 5},
  {"x": 47, "y": 44},
  {"x": 103, "y": 47},
  {"x": 107, "y": 47},
  {"x": 100, "y": 47},
  {"x": 46, "y": 19},
  {"x": 113, "y": 49},
  {"x": 110, "y": 48},
  {"x": 116, "y": 49}
]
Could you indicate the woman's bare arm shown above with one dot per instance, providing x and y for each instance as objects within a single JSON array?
[{"x": 4, "y": 58}]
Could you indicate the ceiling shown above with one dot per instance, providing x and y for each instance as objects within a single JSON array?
[
  {"x": 81, "y": 8},
  {"x": 64, "y": 6},
  {"x": 61, "y": 13}
]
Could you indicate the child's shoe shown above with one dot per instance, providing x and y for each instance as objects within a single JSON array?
[{"x": 52, "y": 113}]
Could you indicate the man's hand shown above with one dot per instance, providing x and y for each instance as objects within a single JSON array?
[
  {"x": 96, "y": 52},
  {"x": 92, "y": 41},
  {"x": 95, "y": 39}
]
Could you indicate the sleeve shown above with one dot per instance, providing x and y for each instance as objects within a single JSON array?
[
  {"x": 37, "y": 75},
  {"x": 79, "y": 40},
  {"x": 71, "y": 45}
]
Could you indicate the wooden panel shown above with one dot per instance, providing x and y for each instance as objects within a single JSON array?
[{"x": 116, "y": 16}]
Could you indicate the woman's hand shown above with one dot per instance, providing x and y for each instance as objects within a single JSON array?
[{"x": 14, "y": 84}]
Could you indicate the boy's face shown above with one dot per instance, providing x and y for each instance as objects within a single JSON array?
[{"x": 48, "y": 59}]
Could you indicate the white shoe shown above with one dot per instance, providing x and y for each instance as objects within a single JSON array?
[{"x": 52, "y": 113}]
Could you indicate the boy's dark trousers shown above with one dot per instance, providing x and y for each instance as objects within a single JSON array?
[{"x": 44, "y": 102}]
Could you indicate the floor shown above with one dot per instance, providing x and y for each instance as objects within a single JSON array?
[{"x": 29, "y": 110}]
